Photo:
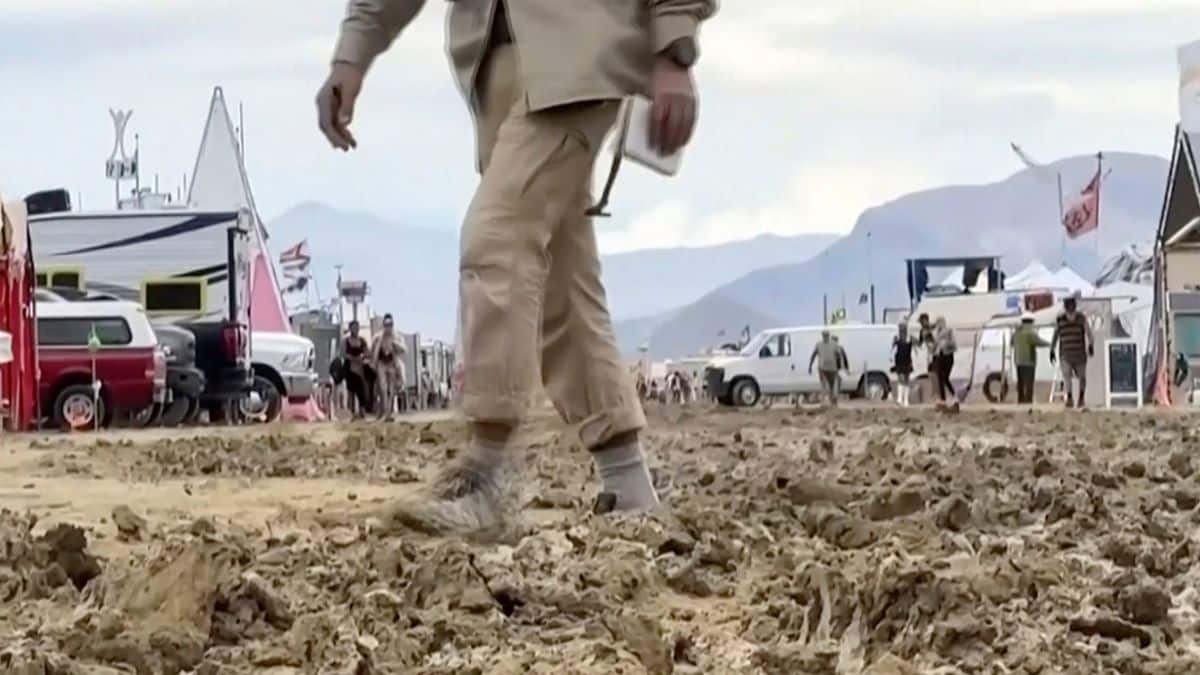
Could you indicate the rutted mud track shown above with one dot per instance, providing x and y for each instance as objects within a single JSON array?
[{"x": 871, "y": 541}]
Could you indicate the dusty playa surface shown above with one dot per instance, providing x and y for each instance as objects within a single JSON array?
[{"x": 866, "y": 541}]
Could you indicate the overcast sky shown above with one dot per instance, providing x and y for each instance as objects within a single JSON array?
[{"x": 811, "y": 110}]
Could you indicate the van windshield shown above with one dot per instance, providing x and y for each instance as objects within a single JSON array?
[{"x": 752, "y": 347}]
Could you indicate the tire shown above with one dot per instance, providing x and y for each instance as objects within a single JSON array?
[
  {"x": 876, "y": 387},
  {"x": 176, "y": 412},
  {"x": 146, "y": 417},
  {"x": 74, "y": 408},
  {"x": 995, "y": 388},
  {"x": 193, "y": 411},
  {"x": 746, "y": 393},
  {"x": 262, "y": 404}
]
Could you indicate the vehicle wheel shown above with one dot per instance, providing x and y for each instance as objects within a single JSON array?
[
  {"x": 74, "y": 408},
  {"x": 876, "y": 387},
  {"x": 262, "y": 404},
  {"x": 727, "y": 399},
  {"x": 193, "y": 411},
  {"x": 145, "y": 417},
  {"x": 176, "y": 412},
  {"x": 746, "y": 393},
  {"x": 995, "y": 388}
]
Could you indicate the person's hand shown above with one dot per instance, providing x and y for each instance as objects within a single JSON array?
[
  {"x": 673, "y": 113},
  {"x": 335, "y": 105}
]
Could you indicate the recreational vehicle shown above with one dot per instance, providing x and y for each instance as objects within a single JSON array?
[{"x": 186, "y": 268}]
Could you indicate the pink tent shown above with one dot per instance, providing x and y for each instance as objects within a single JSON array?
[{"x": 219, "y": 181}]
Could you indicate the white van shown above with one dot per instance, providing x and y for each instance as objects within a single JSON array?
[{"x": 775, "y": 363}]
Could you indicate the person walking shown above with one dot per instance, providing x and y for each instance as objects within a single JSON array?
[
  {"x": 944, "y": 348},
  {"x": 354, "y": 351},
  {"x": 828, "y": 356},
  {"x": 1025, "y": 345},
  {"x": 902, "y": 363},
  {"x": 529, "y": 272},
  {"x": 1073, "y": 344},
  {"x": 388, "y": 354}
]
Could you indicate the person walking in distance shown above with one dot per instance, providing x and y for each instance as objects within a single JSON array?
[
  {"x": 388, "y": 354},
  {"x": 902, "y": 363},
  {"x": 1073, "y": 344},
  {"x": 529, "y": 273},
  {"x": 944, "y": 348},
  {"x": 828, "y": 355},
  {"x": 354, "y": 349},
  {"x": 1025, "y": 345}
]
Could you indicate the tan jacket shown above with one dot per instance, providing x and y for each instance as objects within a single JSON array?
[{"x": 569, "y": 50}]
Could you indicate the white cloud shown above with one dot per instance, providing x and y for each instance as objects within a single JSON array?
[{"x": 812, "y": 110}]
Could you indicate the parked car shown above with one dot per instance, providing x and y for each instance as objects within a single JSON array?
[
  {"x": 284, "y": 367},
  {"x": 775, "y": 363},
  {"x": 128, "y": 363},
  {"x": 185, "y": 382}
]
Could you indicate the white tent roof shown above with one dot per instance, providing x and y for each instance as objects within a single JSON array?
[
  {"x": 219, "y": 178},
  {"x": 1036, "y": 270},
  {"x": 1036, "y": 275}
]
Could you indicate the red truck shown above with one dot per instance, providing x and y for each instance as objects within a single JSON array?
[{"x": 130, "y": 366}]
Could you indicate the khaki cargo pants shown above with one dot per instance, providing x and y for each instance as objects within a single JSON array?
[{"x": 530, "y": 290}]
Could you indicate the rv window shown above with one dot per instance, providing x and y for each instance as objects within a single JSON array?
[
  {"x": 66, "y": 280},
  {"x": 1187, "y": 334},
  {"x": 40, "y": 280},
  {"x": 74, "y": 332},
  {"x": 174, "y": 296}
]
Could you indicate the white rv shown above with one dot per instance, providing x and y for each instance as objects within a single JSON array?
[
  {"x": 187, "y": 268},
  {"x": 776, "y": 361}
]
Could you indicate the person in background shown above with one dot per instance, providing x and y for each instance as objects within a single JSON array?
[
  {"x": 388, "y": 354},
  {"x": 944, "y": 348},
  {"x": 354, "y": 351},
  {"x": 1073, "y": 344},
  {"x": 1025, "y": 345},
  {"x": 431, "y": 393},
  {"x": 828, "y": 356},
  {"x": 902, "y": 363}
]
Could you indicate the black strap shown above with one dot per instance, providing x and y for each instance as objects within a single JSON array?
[{"x": 599, "y": 210}]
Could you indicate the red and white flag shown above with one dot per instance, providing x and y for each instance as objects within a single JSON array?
[
  {"x": 294, "y": 263},
  {"x": 1083, "y": 216}
]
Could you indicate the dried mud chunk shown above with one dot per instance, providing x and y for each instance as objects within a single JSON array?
[
  {"x": 1144, "y": 604},
  {"x": 1185, "y": 500},
  {"x": 806, "y": 491},
  {"x": 1181, "y": 463},
  {"x": 644, "y": 637},
  {"x": 895, "y": 503},
  {"x": 1110, "y": 627},
  {"x": 792, "y": 659},
  {"x": 1119, "y": 550},
  {"x": 838, "y": 528},
  {"x": 1105, "y": 480},
  {"x": 1043, "y": 467},
  {"x": 1134, "y": 469},
  {"x": 68, "y": 545},
  {"x": 129, "y": 524},
  {"x": 953, "y": 513}
]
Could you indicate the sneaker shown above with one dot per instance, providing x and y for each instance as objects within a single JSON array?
[
  {"x": 461, "y": 501},
  {"x": 606, "y": 502}
]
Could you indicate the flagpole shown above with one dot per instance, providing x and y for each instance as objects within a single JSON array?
[
  {"x": 1099, "y": 196},
  {"x": 1061, "y": 217}
]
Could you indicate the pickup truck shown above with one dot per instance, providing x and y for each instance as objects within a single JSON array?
[{"x": 284, "y": 368}]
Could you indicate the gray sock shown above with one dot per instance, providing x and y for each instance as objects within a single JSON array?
[
  {"x": 485, "y": 458},
  {"x": 624, "y": 474}
]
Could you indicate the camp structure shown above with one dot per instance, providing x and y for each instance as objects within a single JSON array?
[
  {"x": 1175, "y": 332},
  {"x": 18, "y": 334}
]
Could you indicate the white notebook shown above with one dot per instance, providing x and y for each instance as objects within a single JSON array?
[{"x": 633, "y": 138}]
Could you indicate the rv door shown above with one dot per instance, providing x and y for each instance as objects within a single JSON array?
[{"x": 241, "y": 269}]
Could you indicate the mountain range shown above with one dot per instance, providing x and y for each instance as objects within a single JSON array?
[
  {"x": 678, "y": 301},
  {"x": 1015, "y": 219},
  {"x": 413, "y": 270}
]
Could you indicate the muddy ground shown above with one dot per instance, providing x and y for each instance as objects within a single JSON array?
[{"x": 867, "y": 541}]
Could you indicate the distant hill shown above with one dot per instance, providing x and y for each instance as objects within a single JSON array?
[
  {"x": 413, "y": 271},
  {"x": 1015, "y": 218}
]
